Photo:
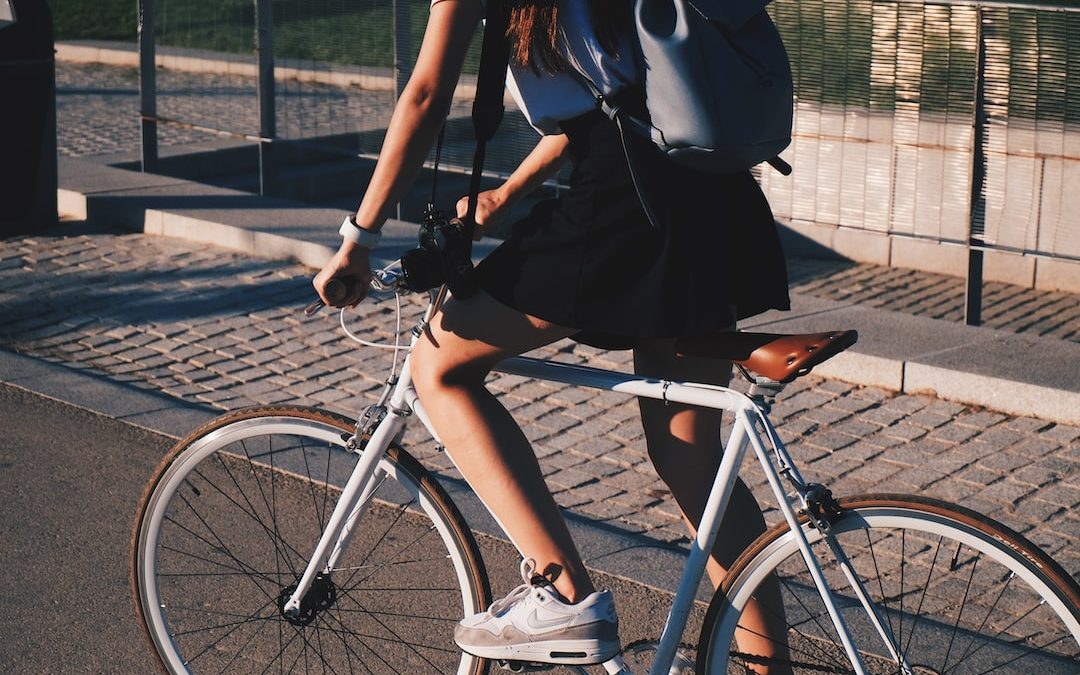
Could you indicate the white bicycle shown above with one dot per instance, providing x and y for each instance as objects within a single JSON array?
[{"x": 285, "y": 539}]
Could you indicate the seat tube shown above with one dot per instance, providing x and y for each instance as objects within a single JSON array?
[{"x": 702, "y": 546}]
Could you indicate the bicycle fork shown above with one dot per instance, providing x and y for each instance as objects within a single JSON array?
[{"x": 354, "y": 497}]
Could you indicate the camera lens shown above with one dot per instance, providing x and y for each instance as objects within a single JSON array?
[{"x": 422, "y": 269}]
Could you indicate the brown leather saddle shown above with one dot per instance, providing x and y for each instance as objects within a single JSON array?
[{"x": 777, "y": 357}]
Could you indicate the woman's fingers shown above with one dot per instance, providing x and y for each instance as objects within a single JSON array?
[
  {"x": 488, "y": 210},
  {"x": 343, "y": 280}
]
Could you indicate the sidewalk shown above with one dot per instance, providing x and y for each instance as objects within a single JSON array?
[{"x": 164, "y": 332}]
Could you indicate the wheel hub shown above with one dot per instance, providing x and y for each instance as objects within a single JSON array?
[{"x": 320, "y": 597}]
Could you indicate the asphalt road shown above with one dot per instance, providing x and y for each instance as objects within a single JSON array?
[{"x": 71, "y": 481}]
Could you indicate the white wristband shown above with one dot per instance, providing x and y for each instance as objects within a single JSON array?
[{"x": 358, "y": 235}]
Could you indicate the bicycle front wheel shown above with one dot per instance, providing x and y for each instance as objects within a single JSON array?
[
  {"x": 957, "y": 594},
  {"x": 227, "y": 525}
]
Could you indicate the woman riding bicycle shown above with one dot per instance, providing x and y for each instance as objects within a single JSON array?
[{"x": 588, "y": 265}]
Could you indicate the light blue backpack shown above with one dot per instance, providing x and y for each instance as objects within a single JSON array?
[{"x": 717, "y": 83}]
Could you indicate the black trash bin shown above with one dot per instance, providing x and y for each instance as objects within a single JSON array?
[{"x": 27, "y": 117}]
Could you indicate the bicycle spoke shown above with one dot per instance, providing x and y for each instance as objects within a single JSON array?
[
  {"x": 399, "y": 640},
  {"x": 970, "y": 597},
  {"x": 235, "y": 571},
  {"x": 814, "y": 616},
  {"x": 359, "y": 638},
  {"x": 349, "y": 653},
  {"x": 224, "y": 549},
  {"x": 218, "y": 641},
  {"x": 249, "y": 514},
  {"x": 274, "y": 539},
  {"x": 922, "y": 600},
  {"x": 371, "y": 549},
  {"x": 271, "y": 510}
]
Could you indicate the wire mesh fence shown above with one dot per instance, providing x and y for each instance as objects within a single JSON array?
[
  {"x": 936, "y": 120},
  {"x": 954, "y": 121}
]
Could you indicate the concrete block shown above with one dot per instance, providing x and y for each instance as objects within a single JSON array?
[
  {"x": 283, "y": 248},
  {"x": 864, "y": 369},
  {"x": 71, "y": 203},
  {"x": 1016, "y": 398},
  {"x": 928, "y": 256},
  {"x": 814, "y": 232},
  {"x": 1008, "y": 268},
  {"x": 862, "y": 245},
  {"x": 76, "y": 53},
  {"x": 1057, "y": 275},
  {"x": 197, "y": 229}
]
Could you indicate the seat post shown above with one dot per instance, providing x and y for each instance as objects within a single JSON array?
[{"x": 763, "y": 392}]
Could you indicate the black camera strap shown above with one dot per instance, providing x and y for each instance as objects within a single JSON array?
[
  {"x": 444, "y": 254},
  {"x": 487, "y": 110}
]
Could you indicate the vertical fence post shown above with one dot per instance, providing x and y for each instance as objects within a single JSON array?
[
  {"x": 977, "y": 220},
  {"x": 402, "y": 32},
  {"x": 264, "y": 48},
  {"x": 147, "y": 86}
]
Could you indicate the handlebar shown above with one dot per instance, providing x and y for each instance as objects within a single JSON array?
[{"x": 384, "y": 282}]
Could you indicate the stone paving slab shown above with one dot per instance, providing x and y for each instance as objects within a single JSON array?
[
  {"x": 900, "y": 351},
  {"x": 205, "y": 326}
]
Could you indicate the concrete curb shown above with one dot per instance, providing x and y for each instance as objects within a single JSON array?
[{"x": 1016, "y": 374}]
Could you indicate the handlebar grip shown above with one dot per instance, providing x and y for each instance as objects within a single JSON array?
[{"x": 338, "y": 290}]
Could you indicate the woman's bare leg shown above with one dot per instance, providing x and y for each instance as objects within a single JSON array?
[
  {"x": 685, "y": 447},
  {"x": 448, "y": 366}
]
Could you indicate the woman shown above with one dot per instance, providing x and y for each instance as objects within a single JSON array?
[{"x": 587, "y": 265}]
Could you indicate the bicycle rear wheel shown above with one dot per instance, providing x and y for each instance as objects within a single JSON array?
[
  {"x": 959, "y": 593},
  {"x": 226, "y": 527}
]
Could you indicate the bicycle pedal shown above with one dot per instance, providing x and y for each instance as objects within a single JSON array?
[{"x": 524, "y": 666}]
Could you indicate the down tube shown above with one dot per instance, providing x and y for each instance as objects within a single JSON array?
[{"x": 717, "y": 503}]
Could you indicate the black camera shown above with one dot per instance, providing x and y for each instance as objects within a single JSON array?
[{"x": 443, "y": 256}]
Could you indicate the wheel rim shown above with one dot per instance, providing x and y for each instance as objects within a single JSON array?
[
  {"x": 254, "y": 479},
  {"x": 980, "y": 612}
]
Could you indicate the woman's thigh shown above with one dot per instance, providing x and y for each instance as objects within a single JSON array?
[
  {"x": 468, "y": 337},
  {"x": 696, "y": 426}
]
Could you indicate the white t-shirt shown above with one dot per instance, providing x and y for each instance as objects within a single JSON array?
[{"x": 546, "y": 99}]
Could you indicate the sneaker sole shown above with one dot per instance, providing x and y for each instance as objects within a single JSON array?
[{"x": 566, "y": 652}]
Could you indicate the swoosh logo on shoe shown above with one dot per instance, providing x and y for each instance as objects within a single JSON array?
[{"x": 535, "y": 622}]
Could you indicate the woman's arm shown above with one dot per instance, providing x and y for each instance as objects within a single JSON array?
[
  {"x": 421, "y": 109},
  {"x": 543, "y": 162},
  {"x": 417, "y": 117}
]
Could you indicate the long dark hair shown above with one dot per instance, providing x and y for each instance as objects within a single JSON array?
[{"x": 534, "y": 28}]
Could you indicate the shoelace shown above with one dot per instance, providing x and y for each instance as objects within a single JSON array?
[{"x": 528, "y": 569}]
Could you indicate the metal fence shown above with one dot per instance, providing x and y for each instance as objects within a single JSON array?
[
  {"x": 941, "y": 121},
  {"x": 322, "y": 73}
]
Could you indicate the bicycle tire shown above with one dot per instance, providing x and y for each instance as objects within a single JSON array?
[
  {"x": 227, "y": 524},
  {"x": 988, "y": 600}
]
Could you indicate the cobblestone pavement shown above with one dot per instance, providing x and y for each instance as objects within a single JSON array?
[{"x": 218, "y": 328}]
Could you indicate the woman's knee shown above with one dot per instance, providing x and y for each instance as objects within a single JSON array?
[{"x": 436, "y": 367}]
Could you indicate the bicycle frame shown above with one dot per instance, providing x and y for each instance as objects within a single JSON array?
[{"x": 386, "y": 420}]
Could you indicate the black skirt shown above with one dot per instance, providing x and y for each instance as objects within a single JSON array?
[{"x": 591, "y": 260}]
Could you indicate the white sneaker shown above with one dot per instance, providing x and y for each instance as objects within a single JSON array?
[{"x": 534, "y": 624}]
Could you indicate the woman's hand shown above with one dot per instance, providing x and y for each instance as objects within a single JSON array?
[
  {"x": 491, "y": 208},
  {"x": 351, "y": 264}
]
